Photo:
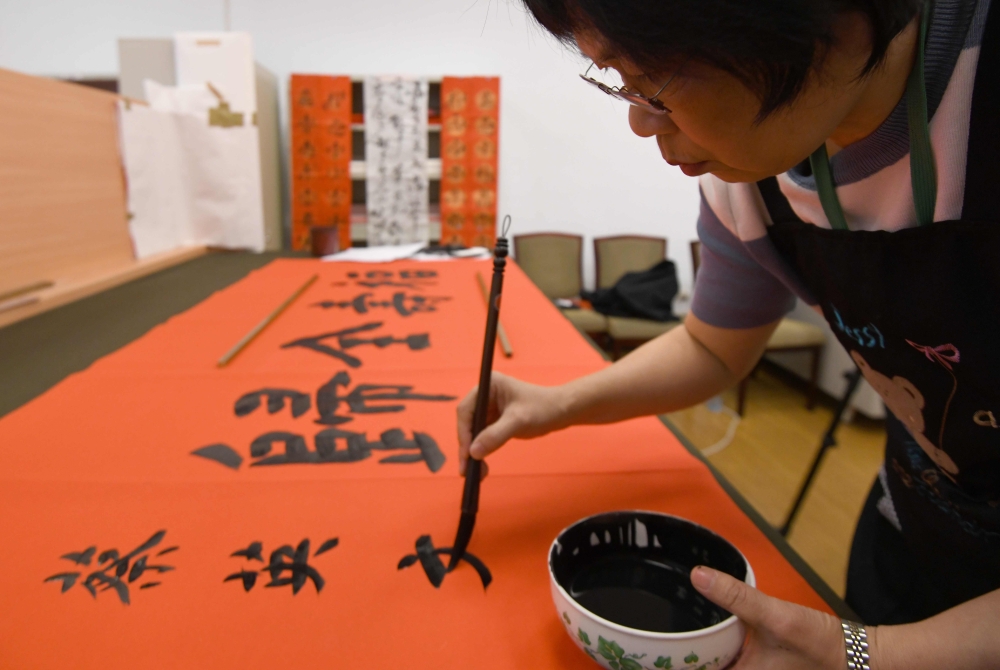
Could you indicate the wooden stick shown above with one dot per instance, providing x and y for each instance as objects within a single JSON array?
[
  {"x": 30, "y": 288},
  {"x": 501, "y": 333},
  {"x": 264, "y": 324},
  {"x": 14, "y": 303}
]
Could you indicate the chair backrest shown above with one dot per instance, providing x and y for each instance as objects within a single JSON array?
[
  {"x": 614, "y": 256},
  {"x": 696, "y": 256},
  {"x": 554, "y": 261}
]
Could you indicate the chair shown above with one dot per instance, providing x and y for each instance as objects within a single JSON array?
[
  {"x": 790, "y": 336},
  {"x": 616, "y": 256},
  {"x": 554, "y": 262}
]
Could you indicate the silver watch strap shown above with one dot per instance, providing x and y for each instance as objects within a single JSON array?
[{"x": 856, "y": 641}]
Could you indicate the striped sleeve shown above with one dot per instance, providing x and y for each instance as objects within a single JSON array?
[{"x": 732, "y": 289}]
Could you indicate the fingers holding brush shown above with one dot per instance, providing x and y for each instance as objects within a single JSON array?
[{"x": 516, "y": 409}]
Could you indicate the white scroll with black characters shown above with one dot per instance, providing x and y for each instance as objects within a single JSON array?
[{"x": 396, "y": 160}]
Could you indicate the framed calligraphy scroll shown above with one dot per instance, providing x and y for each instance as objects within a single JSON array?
[
  {"x": 470, "y": 128},
  {"x": 321, "y": 156}
]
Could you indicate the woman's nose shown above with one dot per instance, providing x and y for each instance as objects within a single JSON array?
[{"x": 648, "y": 124}]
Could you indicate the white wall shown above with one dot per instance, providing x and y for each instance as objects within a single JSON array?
[{"x": 568, "y": 161}]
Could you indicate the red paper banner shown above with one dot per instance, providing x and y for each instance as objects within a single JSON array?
[
  {"x": 321, "y": 156},
  {"x": 470, "y": 128},
  {"x": 162, "y": 512}
]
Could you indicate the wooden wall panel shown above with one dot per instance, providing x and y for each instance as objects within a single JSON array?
[{"x": 62, "y": 192}]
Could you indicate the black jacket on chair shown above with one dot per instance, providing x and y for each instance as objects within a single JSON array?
[{"x": 643, "y": 295}]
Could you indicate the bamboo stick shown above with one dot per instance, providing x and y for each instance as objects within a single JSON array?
[{"x": 264, "y": 324}]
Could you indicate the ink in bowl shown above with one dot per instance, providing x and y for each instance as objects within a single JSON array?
[{"x": 621, "y": 583}]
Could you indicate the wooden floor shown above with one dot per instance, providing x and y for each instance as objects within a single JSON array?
[{"x": 770, "y": 455}]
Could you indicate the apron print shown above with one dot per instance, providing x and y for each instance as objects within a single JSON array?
[
  {"x": 866, "y": 336},
  {"x": 906, "y": 402}
]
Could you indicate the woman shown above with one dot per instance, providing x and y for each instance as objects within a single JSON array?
[{"x": 878, "y": 118}]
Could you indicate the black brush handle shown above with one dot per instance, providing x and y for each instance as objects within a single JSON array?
[{"x": 470, "y": 495}]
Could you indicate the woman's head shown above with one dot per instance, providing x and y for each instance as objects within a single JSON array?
[{"x": 759, "y": 83}]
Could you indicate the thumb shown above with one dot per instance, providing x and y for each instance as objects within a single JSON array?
[
  {"x": 744, "y": 601},
  {"x": 492, "y": 437}
]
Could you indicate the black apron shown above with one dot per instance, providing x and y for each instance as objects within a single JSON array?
[{"x": 919, "y": 312}]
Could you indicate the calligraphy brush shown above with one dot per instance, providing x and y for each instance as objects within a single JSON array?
[{"x": 473, "y": 467}]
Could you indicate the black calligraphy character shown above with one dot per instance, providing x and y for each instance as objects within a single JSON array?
[
  {"x": 435, "y": 569},
  {"x": 296, "y": 451},
  {"x": 424, "y": 446},
  {"x": 414, "y": 279},
  {"x": 404, "y": 304},
  {"x": 112, "y": 568},
  {"x": 356, "y": 448},
  {"x": 220, "y": 453},
  {"x": 364, "y": 399},
  {"x": 283, "y": 560},
  {"x": 344, "y": 341},
  {"x": 249, "y": 402}
]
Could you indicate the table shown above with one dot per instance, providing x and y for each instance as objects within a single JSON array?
[{"x": 274, "y": 512}]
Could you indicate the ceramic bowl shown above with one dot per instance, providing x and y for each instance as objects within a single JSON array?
[{"x": 598, "y": 559}]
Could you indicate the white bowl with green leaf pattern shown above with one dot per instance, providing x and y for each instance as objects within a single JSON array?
[{"x": 620, "y": 583}]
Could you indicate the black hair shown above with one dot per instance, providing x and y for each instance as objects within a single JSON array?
[{"x": 769, "y": 45}]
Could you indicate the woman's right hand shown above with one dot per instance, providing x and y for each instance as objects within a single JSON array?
[{"x": 516, "y": 409}]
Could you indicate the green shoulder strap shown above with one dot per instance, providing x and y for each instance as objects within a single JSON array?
[{"x": 923, "y": 175}]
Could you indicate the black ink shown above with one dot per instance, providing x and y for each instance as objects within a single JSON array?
[
  {"x": 432, "y": 565},
  {"x": 248, "y": 578},
  {"x": 249, "y": 402},
  {"x": 414, "y": 279},
  {"x": 296, "y": 450},
  {"x": 327, "y": 546},
  {"x": 138, "y": 568},
  {"x": 485, "y": 576},
  {"x": 326, "y": 446},
  {"x": 344, "y": 341},
  {"x": 356, "y": 448},
  {"x": 428, "y": 449},
  {"x": 112, "y": 567},
  {"x": 81, "y": 557},
  {"x": 220, "y": 453},
  {"x": 295, "y": 447},
  {"x": 328, "y": 400},
  {"x": 435, "y": 569},
  {"x": 363, "y": 398},
  {"x": 333, "y": 445},
  {"x": 251, "y": 553},
  {"x": 68, "y": 579},
  {"x": 405, "y": 305},
  {"x": 284, "y": 559}
]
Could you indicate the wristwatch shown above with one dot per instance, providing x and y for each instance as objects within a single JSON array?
[{"x": 856, "y": 641}]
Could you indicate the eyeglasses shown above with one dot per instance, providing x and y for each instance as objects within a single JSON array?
[{"x": 650, "y": 104}]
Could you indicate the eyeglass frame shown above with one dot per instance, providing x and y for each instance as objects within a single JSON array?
[{"x": 622, "y": 93}]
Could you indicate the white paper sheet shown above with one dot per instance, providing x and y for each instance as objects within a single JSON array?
[
  {"x": 195, "y": 100},
  {"x": 414, "y": 252},
  {"x": 189, "y": 183},
  {"x": 396, "y": 160},
  {"x": 379, "y": 254},
  {"x": 223, "y": 59}
]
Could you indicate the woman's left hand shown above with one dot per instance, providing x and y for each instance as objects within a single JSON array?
[{"x": 781, "y": 635}]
